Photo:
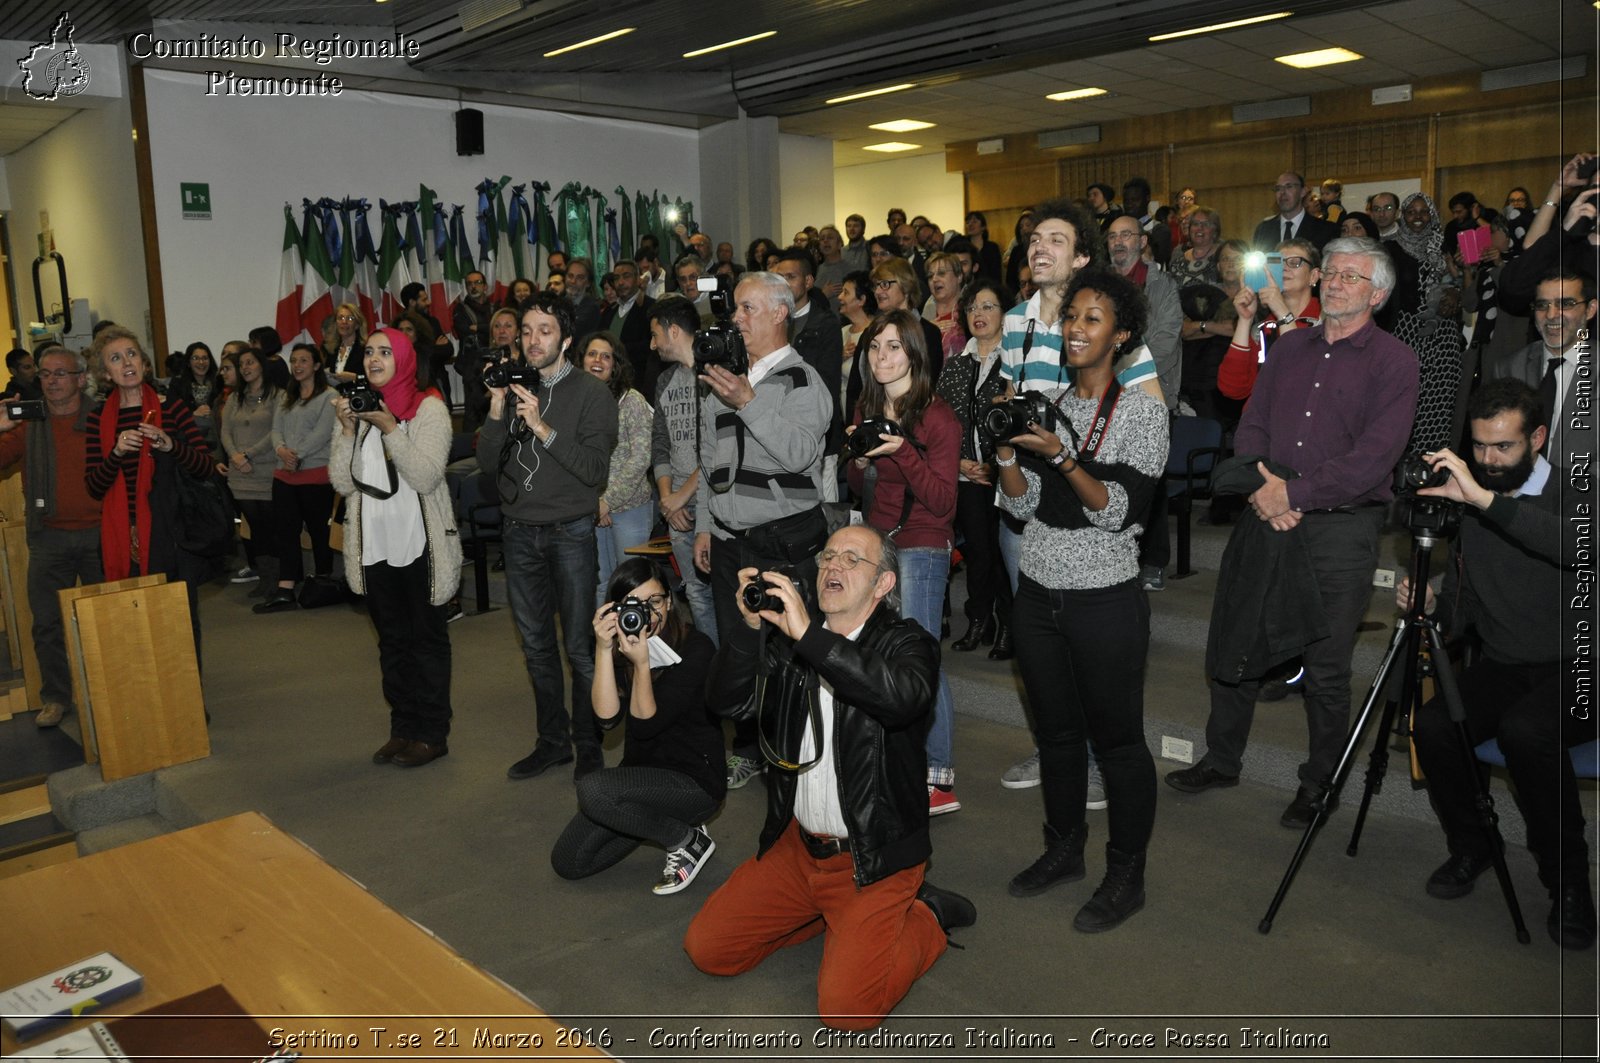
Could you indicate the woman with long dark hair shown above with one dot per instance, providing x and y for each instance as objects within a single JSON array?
[
  {"x": 247, "y": 443},
  {"x": 1017, "y": 256},
  {"x": 912, "y": 480},
  {"x": 627, "y": 505},
  {"x": 302, "y": 496},
  {"x": 400, "y": 544},
  {"x": 198, "y": 382},
  {"x": 985, "y": 252},
  {"x": 672, "y": 776},
  {"x": 1081, "y": 619}
]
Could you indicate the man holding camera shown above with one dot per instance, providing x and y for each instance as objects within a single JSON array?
[
  {"x": 63, "y": 520},
  {"x": 470, "y": 318},
  {"x": 1505, "y": 579},
  {"x": 1334, "y": 404},
  {"x": 548, "y": 458},
  {"x": 759, "y": 501},
  {"x": 844, "y": 712}
]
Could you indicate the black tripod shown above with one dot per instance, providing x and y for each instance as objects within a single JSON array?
[{"x": 1431, "y": 522}]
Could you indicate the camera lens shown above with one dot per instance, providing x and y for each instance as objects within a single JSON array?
[{"x": 758, "y": 596}]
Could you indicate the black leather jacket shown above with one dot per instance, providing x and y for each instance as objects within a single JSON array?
[{"x": 883, "y": 685}]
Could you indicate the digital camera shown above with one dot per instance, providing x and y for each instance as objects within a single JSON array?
[
  {"x": 363, "y": 397},
  {"x": 761, "y": 594},
  {"x": 720, "y": 343},
  {"x": 1416, "y": 473},
  {"x": 1016, "y": 416},
  {"x": 633, "y": 615},
  {"x": 504, "y": 374},
  {"x": 870, "y": 435}
]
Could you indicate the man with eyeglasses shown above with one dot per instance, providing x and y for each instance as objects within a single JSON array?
[
  {"x": 844, "y": 710},
  {"x": 1291, "y": 221},
  {"x": 63, "y": 520},
  {"x": 1563, "y": 304},
  {"x": 1385, "y": 210},
  {"x": 1329, "y": 418}
]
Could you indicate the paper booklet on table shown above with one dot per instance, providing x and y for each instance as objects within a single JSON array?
[
  {"x": 74, "y": 990},
  {"x": 206, "y": 1026}
]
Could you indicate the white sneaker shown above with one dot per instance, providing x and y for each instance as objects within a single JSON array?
[
  {"x": 685, "y": 862},
  {"x": 1022, "y": 774},
  {"x": 1097, "y": 788},
  {"x": 741, "y": 770},
  {"x": 244, "y": 575}
]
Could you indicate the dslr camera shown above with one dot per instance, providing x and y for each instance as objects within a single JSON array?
[
  {"x": 504, "y": 374},
  {"x": 870, "y": 435},
  {"x": 761, "y": 594},
  {"x": 721, "y": 342},
  {"x": 1422, "y": 515},
  {"x": 633, "y": 615},
  {"x": 1416, "y": 473},
  {"x": 1016, "y": 416},
  {"x": 364, "y": 398}
]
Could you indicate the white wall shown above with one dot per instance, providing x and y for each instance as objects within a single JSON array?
[
  {"x": 82, "y": 172},
  {"x": 805, "y": 165},
  {"x": 739, "y": 176},
  {"x": 221, "y": 276},
  {"x": 919, "y": 184}
]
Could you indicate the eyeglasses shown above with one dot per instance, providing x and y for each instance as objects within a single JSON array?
[
  {"x": 1295, "y": 262},
  {"x": 59, "y": 374},
  {"x": 344, "y": 317},
  {"x": 1539, "y": 305},
  {"x": 1348, "y": 276},
  {"x": 656, "y": 602},
  {"x": 844, "y": 558},
  {"x": 986, "y": 308},
  {"x": 941, "y": 273},
  {"x": 881, "y": 285},
  {"x": 1384, "y": 210}
]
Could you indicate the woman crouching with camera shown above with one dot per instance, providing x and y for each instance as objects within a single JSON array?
[
  {"x": 907, "y": 483},
  {"x": 400, "y": 544},
  {"x": 1081, "y": 620},
  {"x": 672, "y": 776}
]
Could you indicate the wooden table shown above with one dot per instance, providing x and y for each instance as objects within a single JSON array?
[{"x": 300, "y": 945}]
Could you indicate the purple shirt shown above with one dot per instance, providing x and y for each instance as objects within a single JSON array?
[{"x": 1339, "y": 414}]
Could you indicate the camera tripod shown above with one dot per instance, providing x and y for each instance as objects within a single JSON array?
[{"x": 1414, "y": 634}]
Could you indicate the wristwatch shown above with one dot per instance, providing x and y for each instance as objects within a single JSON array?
[
  {"x": 1287, "y": 318},
  {"x": 1059, "y": 460}
]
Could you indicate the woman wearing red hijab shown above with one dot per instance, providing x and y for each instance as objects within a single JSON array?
[{"x": 401, "y": 549}]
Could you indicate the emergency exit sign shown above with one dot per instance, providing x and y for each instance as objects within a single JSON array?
[{"x": 196, "y": 201}]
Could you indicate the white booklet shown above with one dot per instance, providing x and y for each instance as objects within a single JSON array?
[{"x": 67, "y": 993}]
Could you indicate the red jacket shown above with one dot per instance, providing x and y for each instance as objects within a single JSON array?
[{"x": 931, "y": 471}]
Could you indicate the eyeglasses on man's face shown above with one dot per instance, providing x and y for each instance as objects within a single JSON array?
[
  {"x": 59, "y": 374},
  {"x": 845, "y": 559},
  {"x": 1346, "y": 276},
  {"x": 1541, "y": 306}
]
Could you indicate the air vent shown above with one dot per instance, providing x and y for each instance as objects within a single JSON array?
[
  {"x": 476, "y": 13},
  {"x": 1511, "y": 77},
  {"x": 1267, "y": 110},
  {"x": 1391, "y": 94},
  {"x": 1062, "y": 138}
]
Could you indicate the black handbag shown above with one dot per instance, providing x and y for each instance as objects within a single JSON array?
[
  {"x": 320, "y": 591},
  {"x": 205, "y": 516}
]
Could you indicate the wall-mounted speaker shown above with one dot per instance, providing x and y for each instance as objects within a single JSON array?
[{"x": 469, "y": 132}]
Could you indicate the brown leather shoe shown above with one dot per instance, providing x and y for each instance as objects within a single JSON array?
[
  {"x": 387, "y": 751},
  {"x": 416, "y": 754}
]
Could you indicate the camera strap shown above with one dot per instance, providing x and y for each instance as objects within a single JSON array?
[
  {"x": 370, "y": 490},
  {"x": 1087, "y": 449}
]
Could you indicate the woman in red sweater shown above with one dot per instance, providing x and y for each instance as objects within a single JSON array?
[
  {"x": 1267, "y": 314},
  {"x": 908, "y": 489}
]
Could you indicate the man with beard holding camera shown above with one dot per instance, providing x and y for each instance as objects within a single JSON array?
[
  {"x": 843, "y": 714},
  {"x": 759, "y": 501},
  {"x": 1504, "y": 579}
]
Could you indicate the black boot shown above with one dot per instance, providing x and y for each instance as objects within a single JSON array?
[
  {"x": 1571, "y": 922},
  {"x": 1002, "y": 650},
  {"x": 979, "y": 633},
  {"x": 1119, "y": 895},
  {"x": 1062, "y": 862}
]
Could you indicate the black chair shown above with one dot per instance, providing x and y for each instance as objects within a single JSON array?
[
  {"x": 1196, "y": 447},
  {"x": 478, "y": 521}
]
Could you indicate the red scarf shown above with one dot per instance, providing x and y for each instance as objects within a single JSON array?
[
  {"x": 400, "y": 394},
  {"x": 117, "y": 539}
]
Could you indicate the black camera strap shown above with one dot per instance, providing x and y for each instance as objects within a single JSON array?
[
  {"x": 371, "y": 490},
  {"x": 1087, "y": 449},
  {"x": 979, "y": 386}
]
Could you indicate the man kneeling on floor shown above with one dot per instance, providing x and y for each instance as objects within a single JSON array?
[
  {"x": 1504, "y": 579},
  {"x": 843, "y": 708}
]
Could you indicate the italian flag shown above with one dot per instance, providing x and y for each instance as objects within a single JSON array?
[
  {"x": 394, "y": 272},
  {"x": 290, "y": 282},
  {"x": 316, "y": 293}
]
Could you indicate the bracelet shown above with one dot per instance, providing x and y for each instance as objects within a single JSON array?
[
  {"x": 1003, "y": 463},
  {"x": 1551, "y": 203}
]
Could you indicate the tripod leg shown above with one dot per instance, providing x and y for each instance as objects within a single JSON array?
[
  {"x": 1324, "y": 803},
  {"x": 1484, "y": 802},
  {"x": 1378, "y": 765}
]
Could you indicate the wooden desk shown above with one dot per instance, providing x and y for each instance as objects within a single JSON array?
[{"x": 241, "y": 903}]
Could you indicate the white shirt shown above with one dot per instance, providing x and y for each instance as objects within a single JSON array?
[
  {"x": 1295, "y": 220},
  {"x": 624, "y": 308},
  {"x": 655, "y": 283},
  {"x": 759, "y": 370},
  {"x": 816, "y": 797},
  {"x": 391, "y": 528}
]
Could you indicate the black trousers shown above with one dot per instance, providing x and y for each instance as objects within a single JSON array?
[
  {"x": 1523, "y": 707},
  {"x": 978, "y": 524},
  {"x": 1082, "y": 658},
  {"x": 413, "y": 651},
  {"x": 620, "y": 807},
  {"x": 1155, "y": 545},
  {"x": 263, "y": 541},
  {"x": 295, "y": 506}
]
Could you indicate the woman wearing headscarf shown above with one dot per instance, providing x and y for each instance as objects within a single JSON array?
[
  {"x": 400, "y": 543},
  {"x": 1418, "y": 252}
]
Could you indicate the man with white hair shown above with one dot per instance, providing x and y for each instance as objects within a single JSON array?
[{"x": 1329, "y": 417}]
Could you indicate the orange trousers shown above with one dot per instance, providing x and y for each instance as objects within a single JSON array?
[{"x": 877, "y": 940}]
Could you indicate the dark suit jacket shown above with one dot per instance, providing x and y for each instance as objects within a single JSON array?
[
  {"x": 1269, "y": 234},
  {"x": 585, "y": 318},
  {"x": 820, "y": 341},
  {"x": 1529, "y": 365},
  {"x": 634, "y": 332}
]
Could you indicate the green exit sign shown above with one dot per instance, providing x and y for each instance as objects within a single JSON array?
[{"x": 196, "y": 201}]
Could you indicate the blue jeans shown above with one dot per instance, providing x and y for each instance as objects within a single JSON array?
[
  {"x": 550, "y": 572},
  {"x": 697, "y": 589},
  {"x": 924, "y": 572},
  {"x": 630, "y": 527}
]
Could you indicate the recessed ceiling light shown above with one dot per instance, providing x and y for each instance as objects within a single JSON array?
[
  {"x": 901, "y": 125},
  {"x": 892, "y": 145},
  {"x": 592, "y": 40},
  {"x": 1218, "y": 27},
  {"x": 1321, "y": 57},
  {"x": 1075, "y": 94},
  {"x": 870, "y": 92},
  {"x": 731, "y": 44}
]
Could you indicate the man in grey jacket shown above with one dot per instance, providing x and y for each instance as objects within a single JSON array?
[{"x": 548, "y": 455}]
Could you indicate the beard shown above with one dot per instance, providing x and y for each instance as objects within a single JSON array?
[{"x": 1506, "y": 478}]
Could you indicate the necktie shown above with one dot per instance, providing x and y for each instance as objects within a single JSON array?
[
  {"x": 1288, "y": 230},
  {"x": 1547, "y": 391}
]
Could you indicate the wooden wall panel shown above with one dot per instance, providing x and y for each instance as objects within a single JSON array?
[{"x": 1016, "y": 188}]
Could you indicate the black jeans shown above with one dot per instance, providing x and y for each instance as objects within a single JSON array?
[
  {"x": 1082, "y": 658},
  {"x": 57, "y": 559},
  {"x": 1344, "y": 552},
  {"x": 978, "y": 524},
  {"x": 302, "y": 505},
  {"x": 1522, "y": 706},
  {"x": 1155, "y": 545},
  {"x": 620, "y": 807},
  {"x": 263, "y": 540},
  {"x": 413, "y": 651}
]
